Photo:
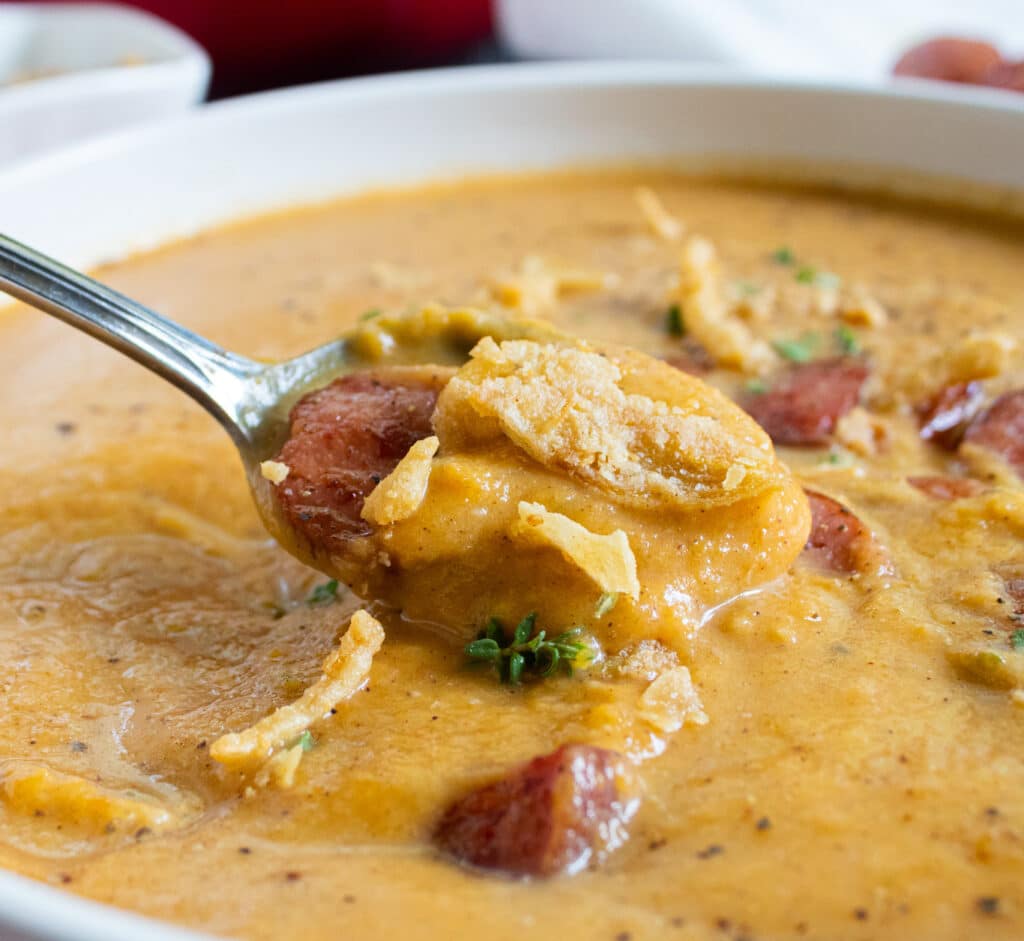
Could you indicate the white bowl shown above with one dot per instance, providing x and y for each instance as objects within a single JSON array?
[
  {"x": 69, "y": 71},
  {"x": 140, "y": 188}
]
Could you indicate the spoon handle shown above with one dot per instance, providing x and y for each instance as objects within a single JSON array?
[{"x": 214, "y": 377}]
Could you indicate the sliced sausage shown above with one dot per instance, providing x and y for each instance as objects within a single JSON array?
[
  {"x": 946, "y": 488},
  {"x": 839, "y": 541},
  {"x": 946, "y": 415},
  {"x": 1012, "y": 575},
  {"x": 553, "y": 815},
  {"x": 802, "y": 408},
  {"x": 344, "y": 439},
  {"x": 1000, "y": 429},
  {"x": 949, "y": 60}
]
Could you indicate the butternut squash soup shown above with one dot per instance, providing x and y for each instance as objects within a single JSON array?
[{"x": 654, "y": 570}]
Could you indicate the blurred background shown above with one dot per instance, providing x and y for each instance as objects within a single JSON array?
[
  {"x": 260, "y": 44},
  {"x": 73, "y": 69}
]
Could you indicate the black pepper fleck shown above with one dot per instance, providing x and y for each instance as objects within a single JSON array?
[
  {"x": 293, "y": 876},
  {"x": 988, "y": 905},
  {"x": 861, "y": 914},
  {"x": 713, "y": 850},
  {"x": 764, "y": 824},
  {"x": 79, "y": 746}
]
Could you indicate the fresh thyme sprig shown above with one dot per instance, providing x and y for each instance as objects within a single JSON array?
[
  {"x": 526, "y": 652},
  {"x": 324, "y": 593}
]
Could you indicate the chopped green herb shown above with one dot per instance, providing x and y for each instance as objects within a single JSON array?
[
  {"x": 847, "y": 340},
  {"x": 838, "y": 458},
  {"x": 674, "y": 325},
  {"x": 325, "y": 593},
  {"x": 305, "y": 741},
  {"x": 784, "y": 256},
  {"x": 808, "y": 274},
  {"x": 747, "y": 288},
  {"x": 605, "y": 603},
  {"x": 1017, "y": 639},
  {"x": 370, "y": 314},
  {"x": 798, "y": 351},
  {"x": 525, "y": 652},
  {"x": 756, "y": 386}
]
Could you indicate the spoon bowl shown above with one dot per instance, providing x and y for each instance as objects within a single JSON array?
[{"x": 252, "y": 400}]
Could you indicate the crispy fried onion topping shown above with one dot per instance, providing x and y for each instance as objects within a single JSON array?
[
  {"x": 608, "y": 560},
  {"x": 344, "y": 671},
  {"x": 649, "y": 434},
  {"x": 400, "y": 494}
]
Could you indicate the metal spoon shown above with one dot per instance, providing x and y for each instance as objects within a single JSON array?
[
  {"x": 251, "y": 400},
  {"x": 245, "y": 396}
]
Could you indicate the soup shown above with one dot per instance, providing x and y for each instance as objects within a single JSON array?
[{"x": 842, "y": 757}]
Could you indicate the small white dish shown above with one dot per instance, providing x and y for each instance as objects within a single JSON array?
[{"x": 71, "y": 71}]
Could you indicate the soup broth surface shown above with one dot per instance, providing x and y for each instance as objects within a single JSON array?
[{"x": 857, "y": 778}]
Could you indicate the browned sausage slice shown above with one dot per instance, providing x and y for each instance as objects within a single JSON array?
[
  {"x": 839, "y": 541},
  {"x": 1000, "y": 428},
  {"x": 802, "y": 408},
  {"x": 950, "y": 60},
  {"x": 552, "y": 815},
  {"x": 1013, "y": 584},
  {"x": 945, "y": 416},
  {"x": 946, "y": 488},
  {"x": 344, "y": 439}
]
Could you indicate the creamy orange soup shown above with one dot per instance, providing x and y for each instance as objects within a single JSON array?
[{"x": 848, "y": 758}]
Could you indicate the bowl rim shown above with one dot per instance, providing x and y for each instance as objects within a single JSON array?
[
  {"x": 37, "y": 910},
  {"x": 510, "y": 76}
]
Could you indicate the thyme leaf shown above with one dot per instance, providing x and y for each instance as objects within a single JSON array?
[
  {"x": 797, "y": 351},
  {"x": 324, "y": 593},
  {"x": 305, "y": 741},
  {"x": 847, "y": 340},
  {"x": 674, "y": 325},
  {"x": 526, "y": 652}
]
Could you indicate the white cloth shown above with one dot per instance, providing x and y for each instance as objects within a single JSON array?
[{"x": 856, "y": 40}]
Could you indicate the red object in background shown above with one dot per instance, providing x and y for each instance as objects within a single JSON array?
[
  {"x": 265, "y": 43},
  {"x": 967, "y": 61}
]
